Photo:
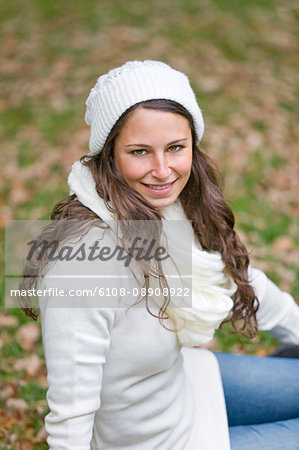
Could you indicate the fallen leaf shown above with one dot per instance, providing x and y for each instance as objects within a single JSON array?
[
  {"x": 41, "y": 407},
  {"x": 282, "y": 179},
  {"x": 283, "y": 243},
  {"x": 27, "y": 445},
  {"x": 8, "y": 321},
  {"x": 13, "y": 437},
  {"x": 19, "y": 194},
  {"x": 17, "y": 403},
  {"x": 42, "y": 379},
  {"x": 30, "y": 431},
  {"x": 32, "y": 364},
  {"x": 9, "y": 422},
  {"x": 27, "y": 335},
  {"x": 209, "y": 84},
  {"x": 238, "y": 349},
  {"x": 261, "y": 352},
  {"x": 6, "y": 214},
  {"x": 42, "y": 434},
  {"x": 7, "y": 392}
]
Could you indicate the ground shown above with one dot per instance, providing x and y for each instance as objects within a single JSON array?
[{"x": 242, "y": 60}]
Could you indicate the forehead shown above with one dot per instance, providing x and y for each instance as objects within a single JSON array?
[{"x": 152, "y": 123}]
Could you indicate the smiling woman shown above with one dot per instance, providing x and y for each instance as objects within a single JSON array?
[
  {"x": 159, "y": 168},
  {"x": 120, "y": 373}
]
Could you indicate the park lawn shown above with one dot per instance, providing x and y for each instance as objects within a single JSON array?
[{"x": 242, "y": 62}]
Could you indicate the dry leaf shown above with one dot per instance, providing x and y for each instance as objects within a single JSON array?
[
  {"x": 261, "y": 352},
  {"x": 13, "y": 437},
  {"x": 7, "y": 392},
  {"x": 40, "y": 407},
  {"x": 238, "y": 349},
  {"x": 32, "y": 364},
  {"x": 17, "y": 403},
  {"x": 42, "y": 434},
  {"x": 6, "y": 214},
  {"x": 27, "y": 335},
  {"x": 282, "y": 179},
  {"x": 8, "y": 321},
  {"x": 27, "y": 445},
  {"x": 19, "y": 194},
  {"x": 283, "y": 243}
]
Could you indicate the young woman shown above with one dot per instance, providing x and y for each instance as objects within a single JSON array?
[{"x": 145, "y": 206}]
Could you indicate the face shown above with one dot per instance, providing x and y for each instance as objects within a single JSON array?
[{"x": 153, "y": 154}]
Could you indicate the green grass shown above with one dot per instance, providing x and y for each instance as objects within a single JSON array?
[
  {"x": 15, "y": 118},
  {"x": 52, "y": 53},
  {"x": 32, "y": 392},
  {"x": 52, "y": 124},
  {"x": 227, "y": 342},
  {"x": 27, "y": 154}
]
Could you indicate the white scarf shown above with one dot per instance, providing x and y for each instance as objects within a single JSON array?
[{"x": 210, "y": 285}]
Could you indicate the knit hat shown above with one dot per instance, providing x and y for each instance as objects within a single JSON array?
[{"x": 131, "y": 83}]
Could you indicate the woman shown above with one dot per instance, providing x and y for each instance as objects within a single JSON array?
[{"x": 122, "y": 370}]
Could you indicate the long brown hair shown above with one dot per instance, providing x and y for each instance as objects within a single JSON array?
[{"x": 202, "y": 200}]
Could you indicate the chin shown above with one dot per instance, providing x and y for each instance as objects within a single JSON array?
[{"x": 161, "y": 202}]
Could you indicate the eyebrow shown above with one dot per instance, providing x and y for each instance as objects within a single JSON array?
[{"x": 146, "y": 145}]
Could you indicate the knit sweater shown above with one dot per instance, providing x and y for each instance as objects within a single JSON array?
[{"x": 118, "y": 379}]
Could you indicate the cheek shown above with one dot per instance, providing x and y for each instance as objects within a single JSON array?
[
  {"x": 183, "y": 165},
  {"x": 131, "y": 170}
]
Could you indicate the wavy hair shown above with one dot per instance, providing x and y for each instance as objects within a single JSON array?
[{"x": 202, "y": 200}]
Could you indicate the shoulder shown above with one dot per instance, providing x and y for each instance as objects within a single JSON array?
[
  {"x": 92, "y": 269},
  {"x": 84, "y": 252}
]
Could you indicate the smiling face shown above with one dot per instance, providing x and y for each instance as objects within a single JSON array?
[{"x": 153, "y": 154}]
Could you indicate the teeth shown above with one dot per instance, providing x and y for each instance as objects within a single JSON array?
[{"x": 159, "y": 187}]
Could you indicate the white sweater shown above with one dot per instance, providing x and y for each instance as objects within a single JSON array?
[{"x": 119, "y": 380}]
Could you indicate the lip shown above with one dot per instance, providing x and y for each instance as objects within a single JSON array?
[{"x": 159, "y": 192}]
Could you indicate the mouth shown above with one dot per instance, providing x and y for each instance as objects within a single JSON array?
[{"x": 160, "y": 189}]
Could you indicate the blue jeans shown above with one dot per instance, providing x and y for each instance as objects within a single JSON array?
[{"x": 262, "y": 401}]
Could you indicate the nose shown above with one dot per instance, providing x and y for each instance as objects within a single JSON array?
[{"x": 161, "y": 167}]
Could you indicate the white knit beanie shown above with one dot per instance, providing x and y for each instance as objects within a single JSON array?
[{"x": 132, "y": 83}]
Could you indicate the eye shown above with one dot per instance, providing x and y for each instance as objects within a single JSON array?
[
  {"x": 175, "y": 148},
  {"x": 139, "y": 152}
]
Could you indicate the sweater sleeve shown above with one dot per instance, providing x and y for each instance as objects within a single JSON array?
[
  {"x": 76, "y": 342},
  {"x": 76, "y": 332},
  {"x": 278, "y": 313}
]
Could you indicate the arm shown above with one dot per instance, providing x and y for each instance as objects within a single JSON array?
[
  {"x": 76, "y": 342},
  {"x": 76, "y": 337},
  {"x": 278, "y": 313}
]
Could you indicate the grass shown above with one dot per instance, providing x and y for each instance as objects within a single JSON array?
[{"x": 242, "y": 61}]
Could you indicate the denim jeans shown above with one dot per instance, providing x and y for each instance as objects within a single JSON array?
[{"x": 262, "y": 401}]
